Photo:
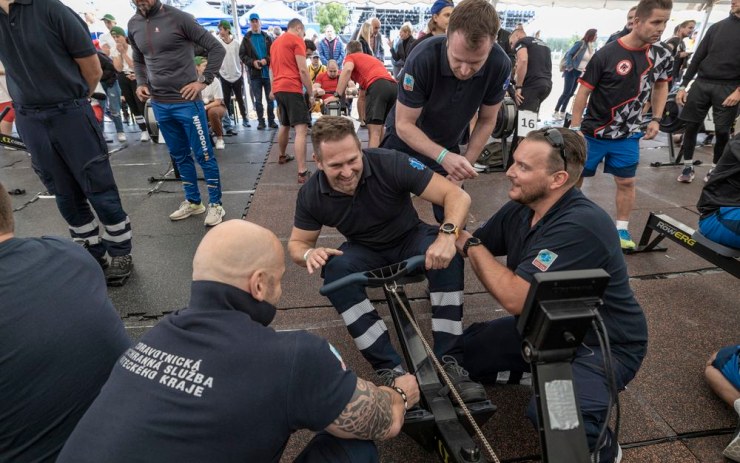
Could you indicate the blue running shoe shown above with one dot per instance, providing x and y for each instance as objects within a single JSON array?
[{"x": 625, "y": 240}]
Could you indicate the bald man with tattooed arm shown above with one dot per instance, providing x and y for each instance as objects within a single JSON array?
[{"x": 214, "y": 382}]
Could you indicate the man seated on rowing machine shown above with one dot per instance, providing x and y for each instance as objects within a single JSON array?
[
  {"x": 365, "y": 195},
  {"x": 719, "y": 203},
  {"x": 548, "y": 226}
]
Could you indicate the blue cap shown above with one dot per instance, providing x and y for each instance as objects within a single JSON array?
[
  {"x": 440, "y": 5},
  {"x": 254, "y": 16}
]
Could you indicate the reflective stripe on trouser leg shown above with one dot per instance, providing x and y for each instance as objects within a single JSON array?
[
  {"x": 170, "y": 119},
  {"x": 446, "y": 297},
  {"x": 447, "y": 327},
  {"x": 200, "y": 142},
  {"x": 369, "y": 332},
  {"x": 117, "y": 238},
  {"x": 87, "y": 233}
]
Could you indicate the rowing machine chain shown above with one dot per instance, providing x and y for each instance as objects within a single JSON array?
[{"x": 392, "y": 288}]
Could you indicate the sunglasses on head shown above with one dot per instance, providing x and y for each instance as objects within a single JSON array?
[{"x": 555, "y": 139}]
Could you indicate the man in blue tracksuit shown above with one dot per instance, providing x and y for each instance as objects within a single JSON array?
[{"x": 163, "y": 40}]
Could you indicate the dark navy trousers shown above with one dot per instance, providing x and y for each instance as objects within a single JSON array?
[
  {"x": 367, "y": 328},
  {"x": 69, "y": 154},
  {"x": 325, "y": 448}
]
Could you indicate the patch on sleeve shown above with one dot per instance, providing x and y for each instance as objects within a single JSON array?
[
  {"x": 508, "y": 81},
  {"x": 544, "y": 259},
  {"x": 339, "y": 357},
  {"x": 416, "y": 164},
  {"x": 408, "y": 82}
]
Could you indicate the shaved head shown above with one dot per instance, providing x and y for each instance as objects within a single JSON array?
[{"x": 244, "y": 255}]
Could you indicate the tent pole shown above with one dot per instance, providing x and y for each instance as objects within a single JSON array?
[
  {"x": 245, "y": 75},
  {"x": 708, "y": 11},
  {"x": 235, "y": 16}
]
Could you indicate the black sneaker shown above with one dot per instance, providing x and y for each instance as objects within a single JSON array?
[
  {"x": 103, "y": 262},
  {"x": 273, "y": 125},
  {"x": 261, "y": 125},
  {"x": 388, "y": 376},
  {"x": 469, "y": 390},
  {"x": 119, "y": 270}
]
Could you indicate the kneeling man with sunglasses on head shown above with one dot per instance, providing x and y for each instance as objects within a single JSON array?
[{"x": 549, "y": 225}]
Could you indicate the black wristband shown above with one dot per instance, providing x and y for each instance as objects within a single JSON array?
[
  {"x": 403, "y": 396},
  {"x": 656, "y": 119}
]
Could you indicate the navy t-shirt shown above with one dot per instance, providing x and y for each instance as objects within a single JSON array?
[
  {"x": 39, "y": 42},
  {"x": 379, "y": 213},
  {"x": 575, "y": 234},
  {"x": 212, "y": 382},
  {"x": 59, "y": 338},
  {"x": 448, "y": 103},
  {"x": 621, "y": 80}
]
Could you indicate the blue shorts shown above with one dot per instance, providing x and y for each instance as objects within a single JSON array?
[
  {"x": 723, "y": 227},
  {"x": 728, "y": 364},
  {"x": 620, "y": 156}
]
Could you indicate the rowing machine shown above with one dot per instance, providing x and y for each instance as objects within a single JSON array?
[
  {"x": 436, "y": 424},
  {"x": 688, "y": 238}
]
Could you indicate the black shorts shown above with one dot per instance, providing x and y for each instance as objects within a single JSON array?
[
  {"x": 379, "y": 99},
  {"x": 534, "y": 94},
  {"x": 292, "y": 108},
  {"x": 703, "y": 95}
]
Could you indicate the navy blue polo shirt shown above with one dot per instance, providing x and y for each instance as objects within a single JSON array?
[
  {"x": 575, "y": 234},
  {"x": 39, "y": 41},
  {"x": 380, "y": 213},
  {"x": 448, "y": 103},
  {"x": 59, "y": 338},
  {"x": 212, "y": 382}
]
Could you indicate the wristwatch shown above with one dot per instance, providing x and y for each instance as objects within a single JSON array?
[
  {"x": 472, "y": 241},
  {"x": 203, "y": 80},
  {"x": 449, "y": 229}
]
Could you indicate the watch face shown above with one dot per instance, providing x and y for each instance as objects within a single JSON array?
[{"x": 448, "y": 228}]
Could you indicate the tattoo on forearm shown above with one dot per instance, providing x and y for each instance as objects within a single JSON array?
[{"x": 368, "y": 415}]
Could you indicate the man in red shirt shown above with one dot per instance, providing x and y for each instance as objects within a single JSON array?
[
  {"x": 326, "y": 82},
  {"x": 380, "y": 88},
  {"x": 289, "y": 78}
]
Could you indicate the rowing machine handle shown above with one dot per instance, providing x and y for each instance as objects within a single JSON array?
[{"x": 383, "y": 275}]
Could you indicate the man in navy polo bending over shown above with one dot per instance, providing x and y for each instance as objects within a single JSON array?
[
  {"x": 445, "y": 82},
  {"x": 365, "y": 194},
  {"x": 213, "y": 382},
  {"x": 548, "y": 226}
]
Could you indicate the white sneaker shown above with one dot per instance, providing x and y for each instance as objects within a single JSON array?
[
  {"x": 144, "y": 136},
  {"x": 215, "y": 215},
  {"x": 121, "y": 137},
  {"x": 187, "y": 209},
  {"x": 556, "y": 116},
  {"x": 220, "y": 144}
]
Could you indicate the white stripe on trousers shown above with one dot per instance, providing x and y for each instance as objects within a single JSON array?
[
  {"x": 371, "y": 335},
  {"x": 117, "y": 227},
  {"x": 442, "y": 325},
  {"x": 354, "y": 313},
  {"x": 451, "y": 298},
  {"x": 87, "y": 228}
]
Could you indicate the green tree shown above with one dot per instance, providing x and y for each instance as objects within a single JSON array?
[{"x": 335, "y": 14}]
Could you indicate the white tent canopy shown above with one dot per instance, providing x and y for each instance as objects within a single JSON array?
[
  {"x": 608, "y": 4},
  {"x": 205, "y": 13},
  {"x": 272, "y": 13}
]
